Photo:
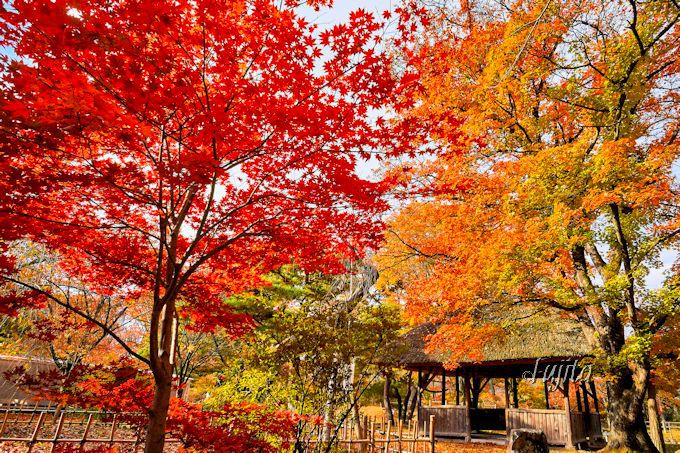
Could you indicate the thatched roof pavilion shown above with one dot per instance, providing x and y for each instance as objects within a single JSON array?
[
  {"x": 544, "y": 349},
  {"x": 541, "y": 336},
  {"x": 10, "y": 394}
]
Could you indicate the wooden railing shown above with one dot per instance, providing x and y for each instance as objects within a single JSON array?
[
  {"x": 46, "y": 428},
  {"x": 379, "y": 436},
  {"x": 552, "y": 422},
  {"x": 451, "y": 420},
  {"x": 670, "y": 431},
  {"x": 49, "y": 427}
]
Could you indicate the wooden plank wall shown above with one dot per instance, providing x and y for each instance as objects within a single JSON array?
[
  {"x": 595, "y": 426},
  {"x": 552, "y": 422},
  {"x": 578, "y": 427},
  {"x": 451, "y": 420}
]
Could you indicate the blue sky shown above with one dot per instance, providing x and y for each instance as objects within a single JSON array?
[{"x": 341, "y": 9}]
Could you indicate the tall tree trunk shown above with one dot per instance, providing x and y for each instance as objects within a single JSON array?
[
  {"x": 362, "y": 431},
  {"x": 626, "y": 395},
  {"x": 626, "y": 388},
  {"x": 397, "y": 396},
  {"x": 407, "y": 400},
  {"x": 387, "y": 404},
  {"x": 155, "y": 431},
  {"x": 163, "y": 344},
  {"x": 329, "y": 410},
  {"x": 356, "y": 410},
  {"x": 655, "y": 430}
]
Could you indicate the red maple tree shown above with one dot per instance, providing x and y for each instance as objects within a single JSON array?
[{"x": 179, "y": 149}]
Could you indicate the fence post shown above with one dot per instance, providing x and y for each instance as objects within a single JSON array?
[
  {"x": 87, "y": 430},
  {"x": 57, "y": 432},
  {"x": 400, "y": 433},
  {"x": 432, "y": 424},
  {"x": 349, "y": 443},
  {"x": 113, "y": 430},
  {"x": 416, "y": 434},
  {"x": 4, "y": 422},
  {"x": 35, "y": 409},
  {"x": 41, "y": 418},
  {"x": 388, "y": 434}
]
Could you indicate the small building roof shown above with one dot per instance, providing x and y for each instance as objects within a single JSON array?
[
  {"x": 545, "y": 335},
  {"x": 9, "y": 392}
]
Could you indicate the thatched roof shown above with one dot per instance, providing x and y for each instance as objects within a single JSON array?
[
  {"x": 545, "y": 335},
  {"x": 10, "y": 393}
]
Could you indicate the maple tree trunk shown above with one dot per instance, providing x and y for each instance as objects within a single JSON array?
[
  {"x": 155, "y": 431},
  {"x": 626, "y": 396},
  {"x": 163, "y": 347}
]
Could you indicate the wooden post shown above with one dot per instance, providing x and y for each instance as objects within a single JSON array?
[
  {"x": 507, "y": 393},
  {"x": 57, "y": 432},
  {"x": 586, "y": 409},
  {"x": 349, "y": 444},
  {"x": 417, "y": 430},
  {"x": 34, "y": 436},
  {"x": 468, "y": 422},
  {"x": 594, "y": 392},
  {"x": 87, "y": 430},
  {"x": 4, "y": 422},
  {"x": 578, "y": 398},
  {"x": 364, "y": 434},
  {"x": 432, "y": 426},
  {"x": 567, "y": 413},
  {"x": 515, "y": 399},
  {"x": 475, "y": 391},
  {"x": 586, "y": 405},
  {"x": 372, "y": 436},
  {"x": 507, "y": 407},
  {"x": 444, "y": 388},
  {"x": 388, "y": 434},
  {"x": 420, "y": 391},
  {"x": 113, "y": 430},
  {"x": 400, "y": 433},
  {"x": 546, "y": 393},
  {"x": 457, "y": 389}
]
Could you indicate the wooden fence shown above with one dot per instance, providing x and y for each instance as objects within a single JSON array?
[
  {"x": 43, "y": 428},
  {"x": 670, "y": 431},
  {"x": 379, "y": 436},
  {"x": 451, "y": 420}
]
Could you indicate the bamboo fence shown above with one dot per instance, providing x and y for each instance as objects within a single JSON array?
[
  {"x": 379, "y": 435},
  {"x": 45, "y": 427}
]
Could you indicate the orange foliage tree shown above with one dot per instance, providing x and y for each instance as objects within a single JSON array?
[{"x": 555, "y": 126}]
